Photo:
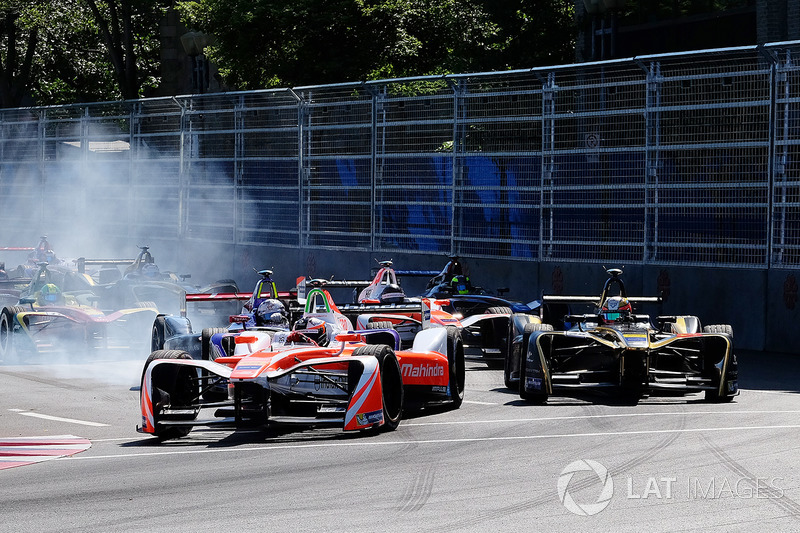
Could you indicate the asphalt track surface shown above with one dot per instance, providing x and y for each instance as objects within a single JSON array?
[{"x": 666, "y": 464}]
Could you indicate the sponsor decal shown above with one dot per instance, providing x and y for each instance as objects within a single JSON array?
[
  {"x": 422, "y": 371},
  {"x": 372, "y": 417},
  {"x": 534, "y": 383},
  {"x": 438, "y": 388},
  {"x": 248, "y": 367}
]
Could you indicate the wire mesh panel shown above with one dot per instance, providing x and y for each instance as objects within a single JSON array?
[
  {"x": 268, "y": 158},
  {"x": 156, "y": 152},
  {"x": 414, "y": 165},
  {"x": 335, "y": 153},
  {"x": 785, "y": 216},
  {"x": 711, "y": 186},
  {"x": 498, "y": 161},
  {"x": 593, "y": 194},
  {"x": 20, "y": 173}
]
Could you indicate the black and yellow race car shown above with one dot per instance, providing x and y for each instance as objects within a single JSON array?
[{"x": 615, "y": 349}]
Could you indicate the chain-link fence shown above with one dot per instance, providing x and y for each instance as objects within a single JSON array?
[{"x": 684, "y": 159}]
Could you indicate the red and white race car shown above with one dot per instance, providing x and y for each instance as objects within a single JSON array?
[{"x": 323, "y": 375}]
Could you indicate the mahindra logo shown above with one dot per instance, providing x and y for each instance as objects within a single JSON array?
[{"x": 422, "y": 371}]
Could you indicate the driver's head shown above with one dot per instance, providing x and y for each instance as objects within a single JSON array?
[
  {"x": 616, "y": 307},
  {"x": 271, "y": 312},
  {"x": 460, "y": 284},
  {"x": 313, "y": 328},
  {"x": 49, "y": 295}
]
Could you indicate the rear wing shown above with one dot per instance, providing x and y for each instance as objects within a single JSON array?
[
  {"x": 204, "y": 297},
  {"x": 304, "y": 285},
  {"x": 420, "y": 273},
  {"x": 558, "y": 299},
  {"x": 81, "y": 263},
  {"x": 15, "y": 249}
]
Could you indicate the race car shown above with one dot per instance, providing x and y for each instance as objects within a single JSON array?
[
  {"x": 615, "y": 349},
  {"x": 264, "y": 312},
  {"x": 143, "y": 281},
  {"x": 382, "y": 303},
  {"x": 52, "y": 322},
  {"x": 348, "y": 379},
  {"x": 482, "y": 319}
]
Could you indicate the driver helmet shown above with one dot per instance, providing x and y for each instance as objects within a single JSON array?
[
  {"x": 313, "y": 328},
  {"x": 150, "y": 270},
  {"x": 460, "y": 285},
  {"x": 50, "y": 294},
  {"x": 271, "y": 312},
  {"x": 616, "y": 307}
]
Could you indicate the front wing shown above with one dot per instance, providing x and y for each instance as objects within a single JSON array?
[{"x": 679, "y": 363}]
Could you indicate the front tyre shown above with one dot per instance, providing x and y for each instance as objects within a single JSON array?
[
  {"x": 174, "y": 388},
  {"x": 529, "y": 396},
  {"x": 391, "y": 383},
  {"x": 456, "y": 366}
]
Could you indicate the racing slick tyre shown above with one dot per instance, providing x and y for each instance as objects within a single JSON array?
[
  {"x": 206, "y": 350},
  {"x": 159, "y": 334},
  {"x": 380, "y": 324},
  {"x": 183, "y": 392},
  {"x": 713, "y": 396},
  {"x": 207, "y": 353},
  {"x": 530, "y": 397},
  {"x": 725, "y": 329},
  {"x": 7, "y": 333},
  {"x": 456, "y": 366},
  {"x": 391, "y": 383},
  {"x": 499, "y": 310}
]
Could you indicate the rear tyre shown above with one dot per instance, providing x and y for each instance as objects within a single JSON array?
[
  {"x": 391, "y": 383},
  {"x": 176, "y": 387},
  {"x": 380, "y": 324},
  {"x": 498, "y": 310},
  {"x": 456, "y": 366},
  {"x": 158, "y": 335},
  {"x": 725, "y": 329},
  {"x": 206, "y": 349}
]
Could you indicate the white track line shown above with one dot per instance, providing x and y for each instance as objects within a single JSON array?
[
  {"x": 58, "y": 418},
  {"x": 365, "y": 443},
  {"x": 585, "y": 417}
]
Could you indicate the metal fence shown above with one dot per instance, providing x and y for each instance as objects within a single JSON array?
[{"x": 683, "y": 159}]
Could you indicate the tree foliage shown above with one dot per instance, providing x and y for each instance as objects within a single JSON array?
[
  {"x": 78, "y": 50},
  {"x": 267, "y": 43},
  {"x": 61, "y": 51}
]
